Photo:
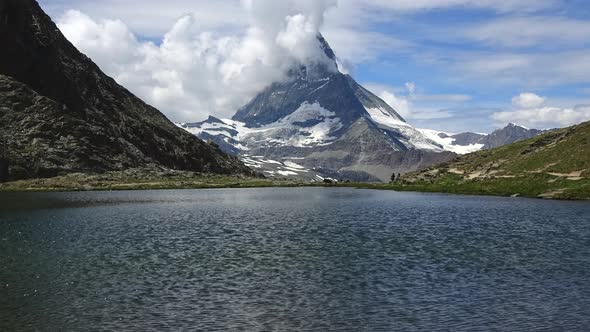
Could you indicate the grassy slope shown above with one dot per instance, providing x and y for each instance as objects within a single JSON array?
[{"x": 554, "y": 165}]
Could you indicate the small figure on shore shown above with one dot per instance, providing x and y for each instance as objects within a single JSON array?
[{"x": 396, "y": 178}]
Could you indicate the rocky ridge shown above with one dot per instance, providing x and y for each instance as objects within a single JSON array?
[{"x": 59, "y": 113}]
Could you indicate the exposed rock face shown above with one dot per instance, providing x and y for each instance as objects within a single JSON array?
[
  {"x": 325, "y": 121},
  {"x": 218, "y": 128},
  {"x": 509, "y": 134},
  {"x": 60, "y": 113},
  {"x": 467, "y": 138}
]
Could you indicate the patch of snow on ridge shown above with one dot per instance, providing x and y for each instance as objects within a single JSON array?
[
  {"x": 383, "y": 117},
  {"x": 274, "y": 168},
  {"x": 293, "y": 165},
  {"x": 309, "y": 125},
  {"x": 286, "y": 173},
  {"x": 307, "y": 112},
  {"x": 447, "y": 142},
  {"x": 517, "y": 125},
  {"x": 413, "y": 138},
  {"x": 227, "y": 129},
  {"x": 321, "y": 87},
  {"x": 290, "y": 130},
  {"x": 321, "y": 131}
]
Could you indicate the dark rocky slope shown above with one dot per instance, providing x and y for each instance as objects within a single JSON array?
[
  {"x": 59, "y": 113},
  {"x": 510, "y": 134}
]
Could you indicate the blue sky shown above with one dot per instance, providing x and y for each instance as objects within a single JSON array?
[
  {"x": 453, "y": 65},
  {"x": 454, "y": 50}
]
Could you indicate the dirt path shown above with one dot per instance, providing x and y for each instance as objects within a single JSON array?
[
  {"x": 456, "y": 171},
  {"x": 573, "y": 176},
  {"x": 552, "y": 194}
]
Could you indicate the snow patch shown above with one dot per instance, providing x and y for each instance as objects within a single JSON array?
[
  {"x": 383, "y": 117},
  {"x": 293, "y": 165},
  {"x": 273, "y": 167},
  {"x": 321, "y": 87},
  {"x": 286, "y": 173},
  {"x": 519, "y": 126},
  {"x": 413, "y": 138},
  {"x": 448, "y": 142},
  {"x": 289, "y": 130}
]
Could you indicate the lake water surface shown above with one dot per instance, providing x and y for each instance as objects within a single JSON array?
[{"x": 292, "y": 260}]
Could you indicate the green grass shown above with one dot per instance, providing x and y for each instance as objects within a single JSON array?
[
  {"x": 522, "y": 168},
  {"x": 562, "y": 151},
  {"x": 534, "y": 185}
]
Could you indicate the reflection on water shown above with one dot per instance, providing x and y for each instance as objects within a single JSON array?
[{"x": 292, "y": 260}]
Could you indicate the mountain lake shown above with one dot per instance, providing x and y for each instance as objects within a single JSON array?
[{"x": 292, "y": 259}]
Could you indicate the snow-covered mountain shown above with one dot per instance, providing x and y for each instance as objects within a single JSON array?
[
  {"x": 321, "y": 122},
  {"x": 325, "y": 121},
  {"x": 458, "y": 143},
  {"x": 471, "y": 142}
]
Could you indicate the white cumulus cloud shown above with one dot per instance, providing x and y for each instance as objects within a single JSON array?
[
  {"x": 532, "y": 112},
  {"x": 546, "y": 117},
  {"x": 400, "y": 104},
  {"x": 528, "y": 100},
  {"x": 412, "y": 104},
  {"x": 399, "y": 99},
  {"x": 194, "y": 73}
]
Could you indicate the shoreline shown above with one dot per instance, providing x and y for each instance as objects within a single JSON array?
[
  {"x": 182, "y": 181},
  {"x": 526, "y": 189}
]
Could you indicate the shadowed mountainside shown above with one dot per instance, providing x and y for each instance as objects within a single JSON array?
[{"x": 59, "y": 113}]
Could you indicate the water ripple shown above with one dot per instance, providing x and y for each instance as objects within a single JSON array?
[{"x": 292, "y": 260}]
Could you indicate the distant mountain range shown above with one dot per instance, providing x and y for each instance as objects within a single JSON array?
[
  {"x": 323, "y": 121},
  {"x": 326, "y": 122},
  {"x": 470, "y": 142},
  {"x": 228, "y": 134},
  {"x": 59, "y": 113}
]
